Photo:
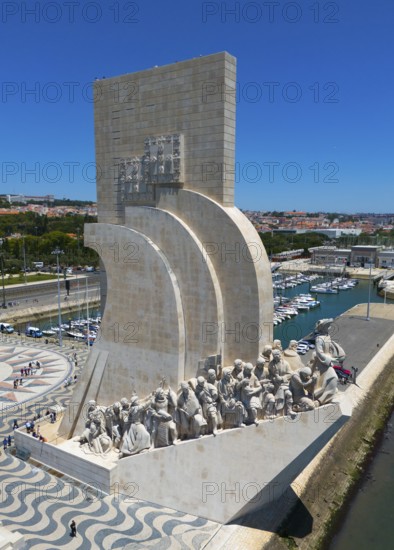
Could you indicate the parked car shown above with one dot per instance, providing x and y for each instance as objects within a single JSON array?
[
  {"x": 6, "y": 327},
  {"x": 307, "y": 343},
  {"x": 33, "y": 332}
]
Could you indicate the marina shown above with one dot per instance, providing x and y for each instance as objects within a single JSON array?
[{"x": 295, "y": 327}]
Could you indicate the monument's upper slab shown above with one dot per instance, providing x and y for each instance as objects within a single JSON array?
[{"x": 170, "y": 126}]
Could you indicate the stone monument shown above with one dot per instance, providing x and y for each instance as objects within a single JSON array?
[
  {"x": 186, "y": 282},
  {"x": 186, "y": 289}
]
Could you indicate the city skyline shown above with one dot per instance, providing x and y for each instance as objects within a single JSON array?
[{"x": 313, "y": 94}]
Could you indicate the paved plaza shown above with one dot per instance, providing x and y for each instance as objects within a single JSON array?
[{"x": 41, "y": 505}]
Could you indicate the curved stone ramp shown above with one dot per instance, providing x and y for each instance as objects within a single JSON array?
[{"x": 41, "y": 507}]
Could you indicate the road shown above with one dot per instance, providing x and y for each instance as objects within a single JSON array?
[{"x": 41, "y": 295}]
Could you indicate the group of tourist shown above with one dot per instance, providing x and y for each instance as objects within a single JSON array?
[
  {"x": 7, "y": 442},
  {"x": 27, "y": 371},
  {"x": 243, "y": 394}
]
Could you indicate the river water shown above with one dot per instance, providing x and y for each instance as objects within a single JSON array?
[
  {"x": 369, "y": 522},
  {"x": 331, "y": 305}
]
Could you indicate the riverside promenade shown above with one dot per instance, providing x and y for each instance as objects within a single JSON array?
[{"x": 40, "y": 503}]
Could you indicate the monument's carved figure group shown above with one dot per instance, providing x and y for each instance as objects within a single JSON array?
[{"x": 232, "y": 397}]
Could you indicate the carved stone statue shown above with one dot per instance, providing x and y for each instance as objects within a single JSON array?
[
  {"x": 292, "y": 357},
  {"x": 267, "y": 353},
  {"x": 207, "y": 395},
  {"x": 237, "y": 369},
  {"x": 231, "y": 409},
  {"x": 211, "y": 378},
  {"x": 277, "y": 344},
  {"x": 327, "y": 353},
  {"x": 95, "y": 435},
  {"x": 259, "y": 370},
  {"x": 160, "y": 421},
  {"x": 280, "y": 374},
  {"x": 302, "y": 385},
  {"x": 268, "y": 399},
  {"x": 114, "y": 423},
  {"x": 251, "y": 400},
  {"x": 137, "y": 437},
  {"x": 188, "y": 413}
]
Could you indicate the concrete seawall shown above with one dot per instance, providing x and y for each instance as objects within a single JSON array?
[
  {"x": 307, "y": 514},
  {"x": 325, "y": 485},
  {"x": 37, "y": 313}
]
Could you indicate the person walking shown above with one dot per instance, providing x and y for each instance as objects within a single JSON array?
[
  {"x": 5, "y": 443},
  {"x": 73, "y": 528}
]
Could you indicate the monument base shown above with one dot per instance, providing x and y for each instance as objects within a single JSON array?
[{"x": 220, "y": 478}]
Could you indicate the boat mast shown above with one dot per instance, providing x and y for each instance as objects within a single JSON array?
[{"x": 87, "y": 306}]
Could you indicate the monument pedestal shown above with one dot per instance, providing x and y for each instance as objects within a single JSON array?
[{"x": 220, "y": 478}]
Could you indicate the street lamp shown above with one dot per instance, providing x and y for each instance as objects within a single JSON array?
[
  {"x": 24, "y": 259},
  {"x": 369, "y": 290},
  {"x": 3, "y": 305},
  {"x": 57, "y": 252}
]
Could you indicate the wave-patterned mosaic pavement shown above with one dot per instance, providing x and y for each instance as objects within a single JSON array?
[{"x": 41, "y": 507}]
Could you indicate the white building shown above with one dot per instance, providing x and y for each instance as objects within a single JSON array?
[{"x": 386, "y": 258}]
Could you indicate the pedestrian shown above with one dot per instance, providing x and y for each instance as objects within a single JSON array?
[
  {"x": 22, "y": 372},
  {"x": 51, "y": 416},
  {"x": 15, "y": 426},
  {"x": 21, "y": 382},
  {"x": 5, "y": 443},
  {"x": 9, "y": 441},
  {"x": 54, "y": 416},
  {"x": 73, "y": 528}
]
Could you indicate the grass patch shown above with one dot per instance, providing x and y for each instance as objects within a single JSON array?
[{"x": 20, "y": 279}]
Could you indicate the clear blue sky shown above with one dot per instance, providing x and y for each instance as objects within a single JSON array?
[{"x": 330, "y": 113}]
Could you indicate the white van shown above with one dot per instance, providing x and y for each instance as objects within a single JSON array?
[
  {"x": 6, "y": 327},
  {"x": 33, "y": 332}
]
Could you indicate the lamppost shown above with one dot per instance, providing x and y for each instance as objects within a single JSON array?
[
  {"x": 57, "y": 252},
  {"x": 369, "y": 289},
  {"x": 24, "y": 259},
  {"x": 4, "y": 304}
]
